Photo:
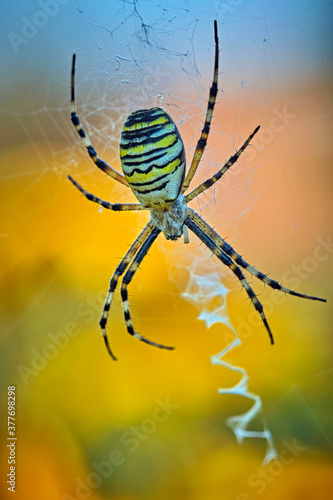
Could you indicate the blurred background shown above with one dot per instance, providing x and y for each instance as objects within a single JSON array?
[{"x": 152, "y": 425}]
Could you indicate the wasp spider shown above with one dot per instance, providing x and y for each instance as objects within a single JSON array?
[{"x": 153, "y": 161}]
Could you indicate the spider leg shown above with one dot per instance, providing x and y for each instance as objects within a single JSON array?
[
  {"x": 117, "y": 207},
  {"x": 85, "y": 139},
  {"x": 126, "y": 281},
  {"x": 223, "y": 257},
  {"x": 221, "y": 243},
  {"x": 115, "y": 277},
  {"x": 209, "y": 182},
  {"x": 209, "y": 114}
]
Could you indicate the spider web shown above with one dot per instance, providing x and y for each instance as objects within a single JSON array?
[{"x": 137, "y": 54}]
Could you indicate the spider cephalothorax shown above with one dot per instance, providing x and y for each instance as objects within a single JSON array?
[
  {"x": 153, "y": 161},
  {"x": 171, "y": 219}
]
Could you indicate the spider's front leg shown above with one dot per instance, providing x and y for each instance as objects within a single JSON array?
[
  {"x": 232, "y": 259},
  {"x": 115, "y": 277},
  {"x": 225, "y": 259},
  {"x": 126, "y": 281}
]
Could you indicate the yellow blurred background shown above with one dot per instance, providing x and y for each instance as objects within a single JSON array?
[{"x": 152, "y": 425}]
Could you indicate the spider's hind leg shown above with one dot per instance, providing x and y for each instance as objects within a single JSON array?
[
  {"x": 117, "y": 207},
  {"x": 101, "y": 164},
  {"x": 202, "y": 142}
]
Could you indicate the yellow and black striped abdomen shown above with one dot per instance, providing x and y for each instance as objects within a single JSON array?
[{"x": 152, "y": 157}]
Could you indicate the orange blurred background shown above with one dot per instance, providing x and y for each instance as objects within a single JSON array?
[{"x": 152, "y": 424}]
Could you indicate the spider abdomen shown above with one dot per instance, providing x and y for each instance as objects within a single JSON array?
[{"x": 152, "y": 157}]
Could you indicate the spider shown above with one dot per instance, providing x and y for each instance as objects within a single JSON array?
[{"x": 153, "y": 161}]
